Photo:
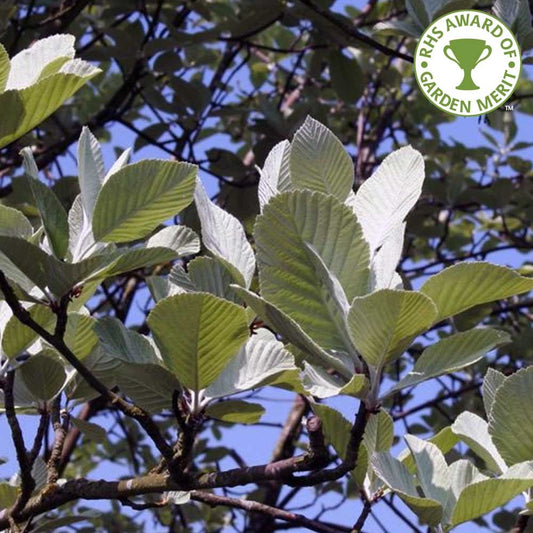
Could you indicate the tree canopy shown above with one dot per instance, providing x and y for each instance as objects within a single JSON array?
[{"x": 214, "y": 208}]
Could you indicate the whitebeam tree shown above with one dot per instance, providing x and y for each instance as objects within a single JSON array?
[{"x": 311, "y": 302}]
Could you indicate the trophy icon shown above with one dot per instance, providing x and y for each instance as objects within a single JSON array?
[{"x": 468, "y": 54}]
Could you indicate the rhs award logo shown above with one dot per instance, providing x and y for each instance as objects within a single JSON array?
[{"x": 467, "y": 63}]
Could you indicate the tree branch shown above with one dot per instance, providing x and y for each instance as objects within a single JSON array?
[
  {"x": 131, "y": 410},
  {"x": 251, "y": 506}
]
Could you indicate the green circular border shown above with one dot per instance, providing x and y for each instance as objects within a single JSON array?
[{"x": 500, "y": 21}]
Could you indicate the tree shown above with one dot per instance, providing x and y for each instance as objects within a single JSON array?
[{"x": 141, "y": 320}]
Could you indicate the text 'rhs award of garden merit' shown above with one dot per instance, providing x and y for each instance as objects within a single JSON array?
[{"x": 467, "y": 63}]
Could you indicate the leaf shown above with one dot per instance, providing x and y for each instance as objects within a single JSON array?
[
  {"x": 16, "y": 336},
  {"x": 5, "y": 67},
  {"x": 461, "y": 474},
  {"x": 275, "y": 177},
  {"x": 379, "y": 432},
  {"x": 396, "y": 476},
  {"x": 347, "y": 78},
  {"x": 473, "y": 431},
  {"x": 223, "y": 235},
  {"x": 43, "y": 375},
  {"x": 28, "y": 65},
  {"x": 8, "y": 495},
  {"x": 511, "y": 420},
  {"x": 478, "y": 499},
  {"x": 236, "y": 411},
  {"x": 209, "y": 275},
  {"x": 387, "y": 258},
  {"x": 90, "y": 430},
  {"x": 178, "y": 238},
  {"x": 289, "y": 225},
  {"x": 289, "y": 330},
  {"x": 320, "y": 383},
  {"x": 431, "y": 468},
  {"x": 336, "y": 428},
  {"x": 80, "y": 335},
  {"x": 121, "y": 162},
  {"x": 444, "y": 440},
  {"x": 465, "y": 285},
  {"x": 257, "y": 364},
  {"x": 319, "y": 162},
  {"x": 198, "y": 334},
  {"x": 91, "y": 170},
  {"x": 493, "y": 379},
  {"x": 181, "y": 281},
  {"x": 451, "y": 354},
  {"x": 30, "y": 106},
  {"x": 119, "y": 342},
  {"x": 383, "y": 201},
  {"x": 149, "y": 385},
  {"x": 384, "y": 323},
  {"x": 112, "y": 264},
  {"x": 156, "y": 190},
  {"x": 52, "y": 213},
  {"x": 23, "y": 262},
  {"x": 13, "y": 223}
]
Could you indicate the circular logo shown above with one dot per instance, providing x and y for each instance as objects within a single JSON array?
[{"x": 467, "y": 63}]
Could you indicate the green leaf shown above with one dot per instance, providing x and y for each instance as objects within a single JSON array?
[
  {"x": 223, "y": 235},
  {"x": 5, "y": 67},
  {"x": 29, "y": 65},
  {"x": 119, "y": 342},
  {"x": 90, "y": 430},
  {"x": 8, "y": 495},
  {"x": 43, "y": 375},
  {"x": 289, "y": 225},
  {"x": 383, "y": 201},
  {"x": 156, "y": 190},
  {"x": 258, "y": 363},
  {"x": 91, "y": 170},
  {"x": 113, "y": 264},
  {"x": 386, "y": 259},
  {"x": 209, "y": 275},
  {"x": 396, "y": 476},
  {"x": 462, "y": 473},
  {"x": 451, "y": 354},
  {"x": 379, "y": 432},
  {"x": 198, "y": 334},
  {"x": 478, "y": 499},
  {"x": 178, "y": 238},
  {"x": 431, "y": 468},
  {"x": 13, "y": 223},
  {"x": 236, "y": 411},
  {"x": 16, "y": 337},
  {"x": 444, "y": 440},
  {"x": 322, "y": 384},
  {"x": 52, "y": 213},
  {"x": 319, "y": 162},
  {"x": 511, "y": 420},
  {"x": 493, "y": 379},
  {"x": 290, "y": 331},
  {"x": 275, "y": 175},
  {"x": 473, "y": 431},
  {"x": 80, "y": 335},
  {"x": 347, "y": 78},
  {"x": 150, "y": 386},
  {"x": 23, "y": 261},
  {"x": 460, "y": 287},
  {"x": 336, "y": 428},
  {"x": 384, "y": 323},
  {"x": 30, "y": 106}
]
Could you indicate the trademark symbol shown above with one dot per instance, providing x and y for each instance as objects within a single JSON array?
[{"x": 509, "y": 107}]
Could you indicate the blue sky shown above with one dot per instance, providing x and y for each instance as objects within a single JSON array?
[{"x": 256, "y": 443}]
